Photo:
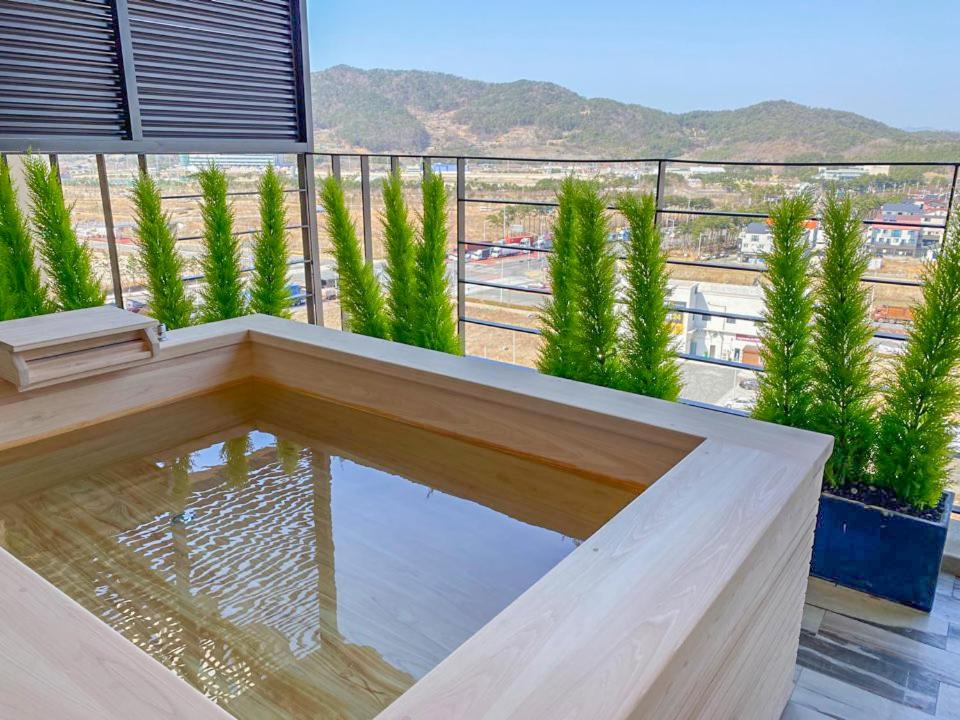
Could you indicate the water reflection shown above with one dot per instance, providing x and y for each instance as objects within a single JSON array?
[{"x": 291, "y": 580}]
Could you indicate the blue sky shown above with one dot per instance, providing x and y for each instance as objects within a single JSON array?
[{"x": 891, "y": 60}]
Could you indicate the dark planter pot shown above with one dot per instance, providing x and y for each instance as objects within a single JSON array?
[{"x": 887, "y": 554}]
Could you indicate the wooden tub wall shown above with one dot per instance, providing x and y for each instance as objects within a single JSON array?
[{"x": 687, "y": 604}]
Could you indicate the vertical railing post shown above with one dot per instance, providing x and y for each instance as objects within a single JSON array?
[
  {"x": 461, "y": 252},
  {"x": 950, "y": 198},
  {"x": 311, "y": 243},
  {"x": 110, "y": 232},
  {"x": 142, "y": 163},
  {"x": 55, "y": 166},
  {"x": 394, "y": 164},
  {"x": 365, "y": 208},
  {"x": 335, "y": 167},
  {"x": 658, "y": 196},
  {"x": 427, "y": 165}
]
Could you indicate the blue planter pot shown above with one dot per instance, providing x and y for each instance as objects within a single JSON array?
[{"x": 887, "y": 554}]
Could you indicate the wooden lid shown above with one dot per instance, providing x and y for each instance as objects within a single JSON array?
[{"x": 66, "y": 327}]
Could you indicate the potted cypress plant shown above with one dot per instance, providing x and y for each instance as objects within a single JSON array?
[
  {"x": 887, "y": 536},
  {"x": 559, "y": 313},
  {"x": 398, "y": 241},
  {"x": 26, "y": 295},
  {"x": 417, "y": 309},
  {"x": 67, "y": 260},
  {"x": 269, "y": 294},
  {"x": 433, "y": 317},
  {"x": 883, "y": 514},
  {"x": 649, "y": 365},
  {"x": 158, "y": 257},
  {"x": 785, "y": 395},
  {"x": 582, "y": 336},
  {"x": 595, "y": 333},
  {"x": 365, "y": 312},
  {"x": 222, "y": 295}
]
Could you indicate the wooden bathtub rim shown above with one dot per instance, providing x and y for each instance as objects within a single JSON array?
[{"x": 718, "y": 441}]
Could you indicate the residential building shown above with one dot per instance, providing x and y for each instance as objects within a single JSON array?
[{"x": 756, "y": 239}]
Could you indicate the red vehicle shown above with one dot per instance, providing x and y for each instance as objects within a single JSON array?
[{"x": 894, "y": 314}]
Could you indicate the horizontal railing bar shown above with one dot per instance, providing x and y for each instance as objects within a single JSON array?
[
  {"x": 760, "y": 216},
  {"x": 701, "y": 213},
  {"x": 498, "y": 286},
  {"x": 245, "y": 270},
  {"x": 481, "y": 243},
  {"x": 738, "y": 267},
  {"x": 891, "y": 336},
  {"x": 741, "y": 267},
  {"x": 501, "y": 326},
  {"x": 711, "y": 406},
  {"x": 237, "y": 193},
  {"x": 715, "y": 313},
  {"x": 681, "y": 356},
  {"x": 500, "y": 201},
  {"x": 237, "y": 233},
  {"x": 686, "y": 309},
  {"x": 903, "y": 282},
  {"x": 722, "y": 363},
  {"x": 683, "y": 161}
]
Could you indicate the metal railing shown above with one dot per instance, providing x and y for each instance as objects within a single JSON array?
[
  {"x": 663, "y": 209},
  {"x": 657, "y": 169}
]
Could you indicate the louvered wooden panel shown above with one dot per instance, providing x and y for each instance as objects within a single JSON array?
[
  {"x": 220, "y": 68},
  {"x": 59, "y": 69}
]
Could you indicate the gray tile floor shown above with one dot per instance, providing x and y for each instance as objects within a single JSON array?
[{"x": 866, "y": 659}]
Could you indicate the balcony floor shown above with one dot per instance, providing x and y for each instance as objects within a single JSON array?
[{"x": 866, "y": 659}]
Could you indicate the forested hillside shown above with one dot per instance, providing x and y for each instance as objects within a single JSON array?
[{"x": 416, "y": 112}]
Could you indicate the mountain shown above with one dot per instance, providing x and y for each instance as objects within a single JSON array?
[{"x": 411, "y": 111}]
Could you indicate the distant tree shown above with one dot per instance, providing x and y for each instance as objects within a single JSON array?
[
  {"x": 222, "y": 294},
  {"x": 649, "y": 363},
  {"x": 401, "y": 250},
  {"x": 26, "y": 294},
  {"x": 158, "y": 257},
  {"x": 843, "y": 394},
  {"x": 435, "y": 327},
  {"x": 785, "y": 394},
  {"x": 922, "y": 399},
  {"x": 269, "y": 293},
  {"x": 558, "y": 354},
  {"x": 67, "y": 260},
  {"x": 359, "y": 290},
  {"x": 597, "y": 321}
]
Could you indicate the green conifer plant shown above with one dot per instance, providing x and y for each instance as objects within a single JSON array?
[
  {"x": 400, "y": 247},
  {"x": 268, "y": 287},
  {"x": 922, "y": 398},
  {"x": 158, "y": 257},
  {"x": 595, "y": 339},
  {"x": 434, "y": 325},
  {"x": 67, "y": 260},
  {"x": 559, "y": 314},
  {"x": 843, "y": 392},
  {"x": 360, "y": 292},
  {"x": 6, "y": 292},
  {"x": 785, "y": 393},
  {"x": 26, "y": 293},
  {"x": 222, "y": 293},
  {"x": 288, "y": 455},
  {"x": 649, "y": 365},
  {"x": 236, "y": 460}
]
